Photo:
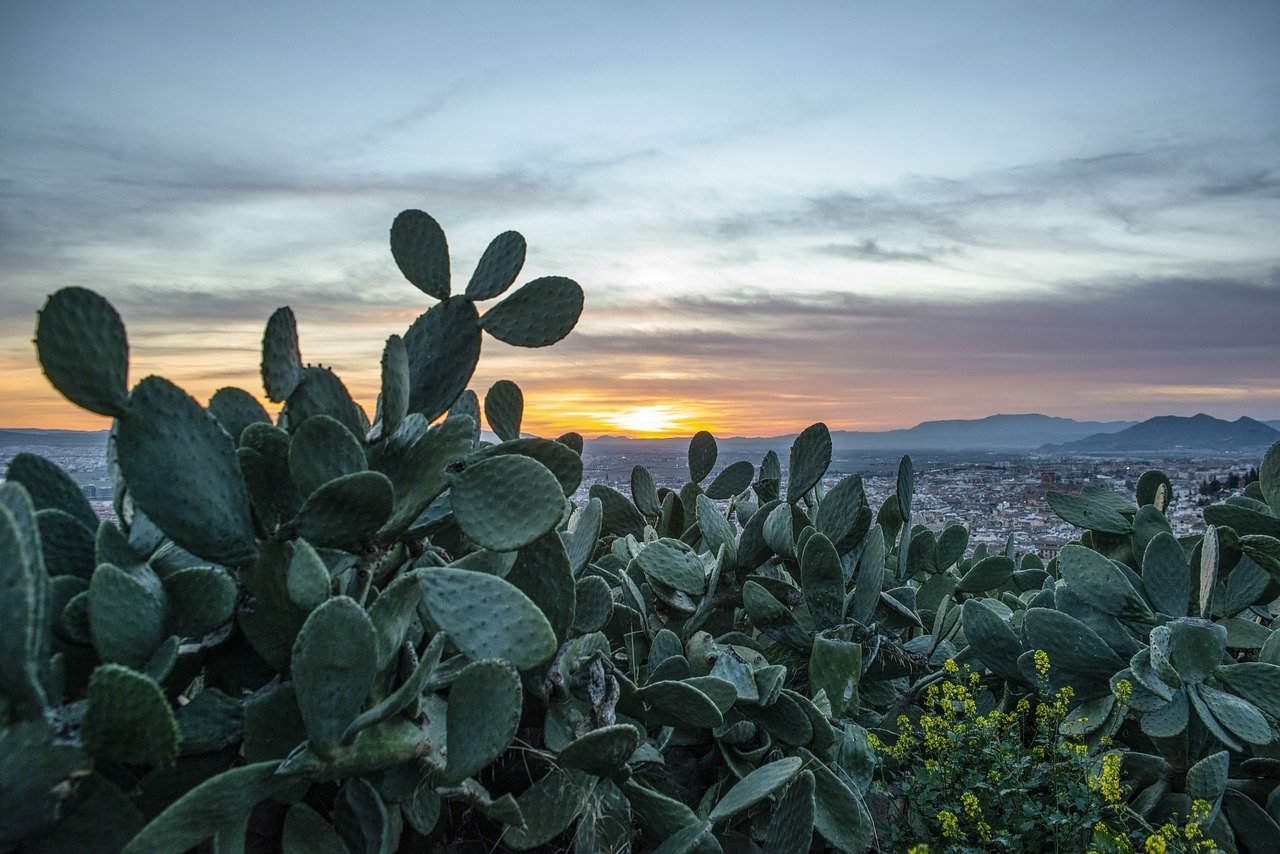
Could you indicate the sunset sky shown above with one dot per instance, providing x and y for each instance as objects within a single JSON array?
[{"x": 867, "y": 214}]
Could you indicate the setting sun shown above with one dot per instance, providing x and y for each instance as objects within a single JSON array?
[{"x": 657, "y": 419}]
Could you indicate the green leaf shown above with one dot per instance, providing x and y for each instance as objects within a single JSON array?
[
  {"x": 702, "y": 455},
  {"x": 675, "y": 564},
  {"x": 504, "y": 503},
  {"x": 83, "y": 350},
  {"x": 443, "y": 346},
  {"x": 537, "y": 314},
  {"x": 755, "y": 787},
  {"x": 322, "y": 450},
  {"x": 307, "y": 832},
  {"x": 601, "y": 751},
  {"x": 165, "y": 432},
  {"x": 504, "y": 409},
  {"x": 335, "y": 665},
  {"x": 823, "y": 582},
  {"x": 498, "y": 266},
  {"x": 1091, "y": 515},
  {"x": 810, "y": 457},
  {"x": 127, "y": 718},
  {"x": 217, "y": 808},
  {"x": 484, "y": 713},
  {"x": 732, "y": 479},
  {"x": 51, "y": 488},
  {"x": 487, "y": 617},
  {"x": 421, "y": 251},
  {"x": 281, "y": 357},
  {"x": 126, "y": 616}
]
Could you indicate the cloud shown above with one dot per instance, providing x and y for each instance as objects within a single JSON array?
[{"x": 871, "y": 250}]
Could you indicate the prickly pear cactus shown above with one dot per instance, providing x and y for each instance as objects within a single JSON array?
[{"x": 317, "y": 633}]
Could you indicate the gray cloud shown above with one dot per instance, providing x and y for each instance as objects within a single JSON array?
[{"x": 871, "y": 250}]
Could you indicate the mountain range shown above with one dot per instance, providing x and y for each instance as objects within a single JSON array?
[{"x": 1022, "y": 432}]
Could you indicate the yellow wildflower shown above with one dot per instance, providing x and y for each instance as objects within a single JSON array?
[
  {"x": 1042, "y": 663},
  {"x": 1123, "y": 691},
  {"x": 950, "y": 665},
  {"x": 950, "y": 824},
  {"x": 972, "y": 808},
  {"x": 1155, "y": 844}
]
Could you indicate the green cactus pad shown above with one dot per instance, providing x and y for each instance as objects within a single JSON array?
[
  {"x": 790, "y": 826},
  {"x": 281, "y": 356},
  {"x": 345, "y": 512},
  {"x": 395, "y": 384},
  {"x": 484, "y": 713},
  {"x": 166, "y": 432},
  {"x": 840, "y": 815},
  {"x": 67, "y": 546},
  {"x": 1255, "y": 681},
  {"x": 217, "y": 808},
  {"x": 127, "y": 718},
  {"x": 810, "y": 458},
  {"x": 755, "y": 787},
  {"x": 601, "y": 751},
  {"x": 335, "y": 664},
  {"x": 988, "y": 574},
  {"x": 717, "y": 530},
  {"x": 506, "y": 502},
  {"x": 421, "y": 252},
  {"x": 702, "y": 455},
  {"x": 542, "y": 573},
  {"x": 272, "y": 723},
  {"x": 593, "y": 604},
  {"x": 823, "y": 582},
  {"x": 1269, "y": 477},
  {"x": 323, "y": 450},
  {"x": 34, "y": 769},
  {"x": 363, "y": 819},
  {"x": 839, "y": 510},
  {"x": 201, "y": 599},
  {"x": 271, "y": 618},
  {"x": 487, "y": 617},
  {"x": 1071, "y": 645},
  {"x": 583, "y": 533},
  {"x": 20, "y": 614},
  {"x": 1101, "y": 583},
  {"x": 537, "y": 314},
  {"x": 659, "y": 816},
  {"x": 235, "y": 409},
  {"x": 674, "y": 564},
  {"x": 643, "y": 492},
  {"x": 1166, "y": 577},
  {"x": 835, "y": 666},
  {"x": 1193, "y": 647},
  {"x": 126, "y": 616},
  {"x": 498, "y": 266},
  {"x": 560, "y": 460},
  {"x": 732, "y": 479},
  {"x": 504, "y": 409},
  {"x": 469, "y": 405},
  {"x": 682, "y": 703},
  {"x": 307, "y": 832},
  {"x": 992, "y": 640},
  {"x": 572, "y": 441},
  {"x": 320, "y": 392},
  {"x": 620, "y": 516},
  {"x": 50, "y": 488},
  {"x": 549, "y": 806},
  {"x": 1239, "y": 717},
  {"x": 443, "y": 346},
  {"x": 1084, "y": 513},
  {"x": 82, "y": 347},
  {"x": 415, "y": 460},
  {"x": 774, "y": 618}
]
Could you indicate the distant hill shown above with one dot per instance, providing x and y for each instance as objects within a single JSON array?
[
  {"x": 31, "y": 438},
  {"x": 1199, "y": 433},
  {"x": 993, "y": 433}
]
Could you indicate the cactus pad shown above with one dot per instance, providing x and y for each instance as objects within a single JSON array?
[
  {"x": 484, "y": 713},
  {"x": 165, "y": 432},
  {"x": 335, "y": 663},
  {"x": 537, "y": 314},
  {"x": 503, "y": 409},
  {"x": 443, "y": 346},
  {"x": 487, "y": 617},
  {"x": 506, "y": 502},
  {"x": 84, "y": 352},
  {"x": 498, "y": 266},
  {"x": 127, "y": 718}
]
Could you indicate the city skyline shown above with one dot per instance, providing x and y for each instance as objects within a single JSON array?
[{"x": 864, "y": 216}]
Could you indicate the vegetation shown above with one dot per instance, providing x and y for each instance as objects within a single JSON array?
[{"x": 322, "y": 634}]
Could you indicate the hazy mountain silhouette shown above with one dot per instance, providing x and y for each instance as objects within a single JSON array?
[{"x": 1174, "y": 433}]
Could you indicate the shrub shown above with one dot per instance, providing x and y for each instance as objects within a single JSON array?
[{"x": 323, "y": 632}]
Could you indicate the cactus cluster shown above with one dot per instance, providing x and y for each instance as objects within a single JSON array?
[{"x": 322, "y": 633}]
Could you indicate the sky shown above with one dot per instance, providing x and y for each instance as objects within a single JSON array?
[{"x": 868, "y": 214}]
